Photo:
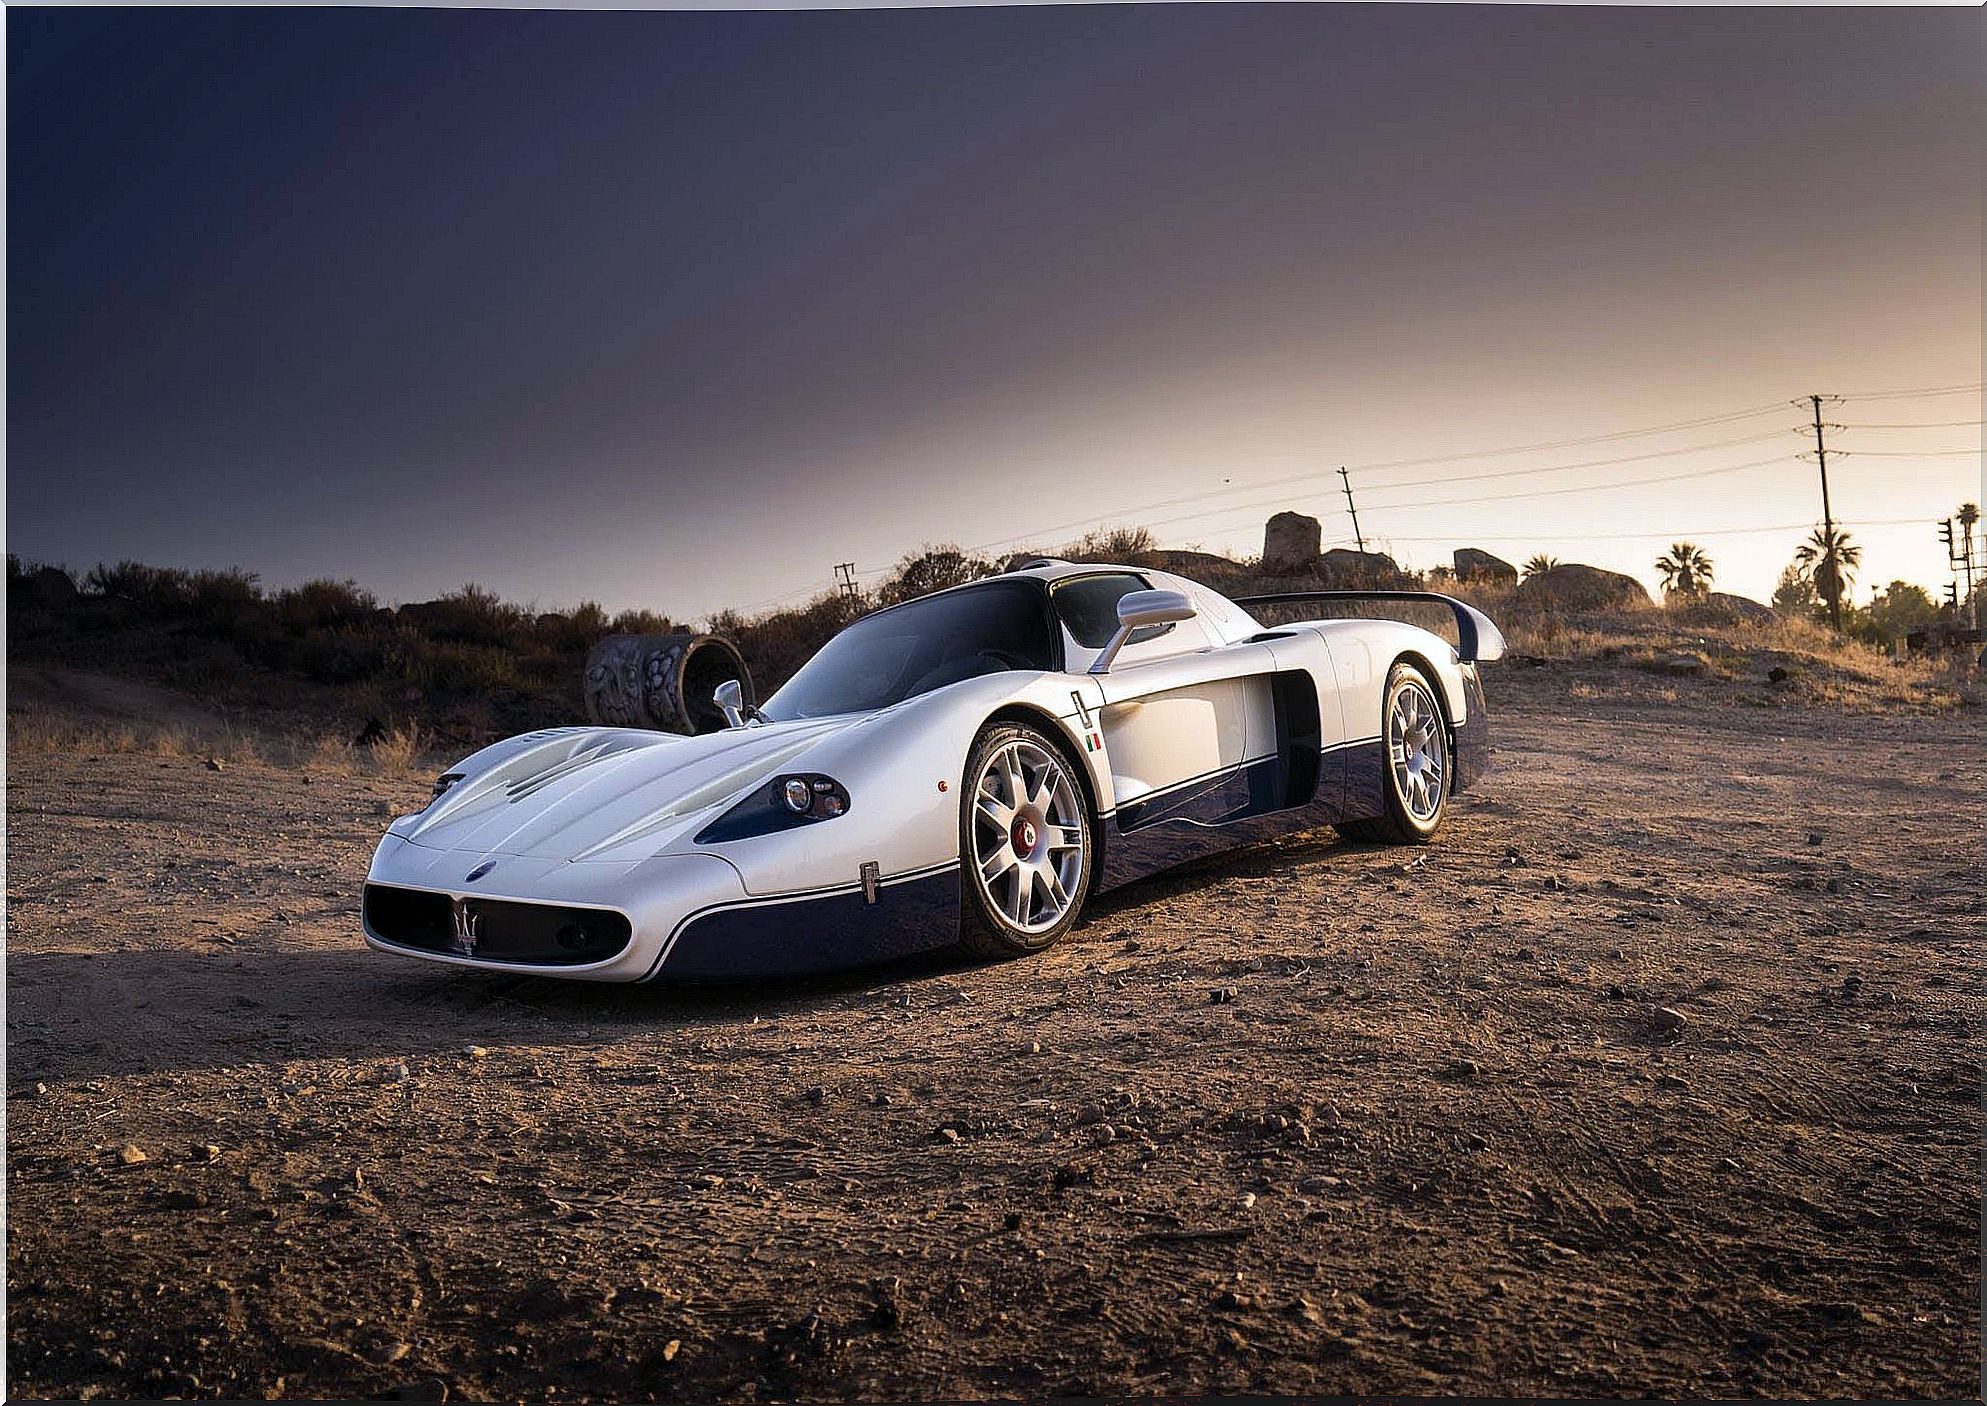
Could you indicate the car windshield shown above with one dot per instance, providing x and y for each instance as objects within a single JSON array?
[{"x": 911, "y": 649}]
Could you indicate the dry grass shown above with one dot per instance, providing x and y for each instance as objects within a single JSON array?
[
  {"x": 1819, "y": 667},
  {"x": 400, "y": 753}
]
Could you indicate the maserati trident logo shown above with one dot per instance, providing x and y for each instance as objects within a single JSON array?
[{"x": 467, "y": 923}]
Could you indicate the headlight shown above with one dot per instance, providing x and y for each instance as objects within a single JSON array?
[{"x": 784, "y": 803}]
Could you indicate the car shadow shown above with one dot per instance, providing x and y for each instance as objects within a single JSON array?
[
  {"x": 84, "y": 1015},
  {"x": 75, "y": 1015},
  {"x": 1266, "y": 860}
]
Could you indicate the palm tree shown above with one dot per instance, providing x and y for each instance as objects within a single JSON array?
[
  {"x": 1539, "y": 565},
  {"x": 1830, "y": 560},
  {"x": 1685, "y": 569}
]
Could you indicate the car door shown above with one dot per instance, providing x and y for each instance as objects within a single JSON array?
[{"x": 1183, "y": 712}]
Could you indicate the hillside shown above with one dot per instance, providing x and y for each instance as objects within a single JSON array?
[{"x": 327, "y": 661}]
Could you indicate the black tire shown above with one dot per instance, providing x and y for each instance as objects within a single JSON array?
[
  {"x": 988, "y": 927},
  {"x": 1401, "y": 824}
]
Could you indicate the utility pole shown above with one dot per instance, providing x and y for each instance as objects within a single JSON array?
[
  {"x": 845, "y": 578},
  {"x": 1827, "y": 523},
  {"x": 1353, "y": 508},
  {"x": 1952, "y": 562},
  {"x": 1972, "y": 596},
  {"x": 1966, "y": 564},
  {"x": 1958, "y": 535}
]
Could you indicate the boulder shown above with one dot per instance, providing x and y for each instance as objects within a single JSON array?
[
  {"x": 1682, "y": 664},
  {"x": 1475, "y": 564},
  {"x": 1573, "y": 586},
  {"x": 451, "y": 618},
  {"x": 1344, "y": 570},
  {"x": 51, "y": 587},
  {"x": 1190, "y": 563},
  {"x": 1721, "y": 608},
  {"x": 1290, "y": 540}
]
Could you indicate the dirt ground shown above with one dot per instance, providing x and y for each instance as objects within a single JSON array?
[{"x": 1310, "y": 1118}]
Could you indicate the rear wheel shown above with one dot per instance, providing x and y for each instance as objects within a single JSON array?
[
  {"x": 1416, "y": 760},
  {"x": 1025, "y": 843}
]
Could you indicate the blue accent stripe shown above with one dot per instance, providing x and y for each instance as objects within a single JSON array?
[
  {"x": 1238, "y": 812},
  {"x": 821, "y": 930}
]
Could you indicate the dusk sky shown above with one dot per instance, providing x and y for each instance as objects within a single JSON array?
[{"x": 681, "y": 309}]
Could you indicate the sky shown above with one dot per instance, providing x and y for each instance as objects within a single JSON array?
[{"x": 680, "y": 310}]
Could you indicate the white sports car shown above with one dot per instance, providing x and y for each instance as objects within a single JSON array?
[{"x": 966, "y": 767}]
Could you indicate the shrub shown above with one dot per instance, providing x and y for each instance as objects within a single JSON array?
[
  {"x": 640, "y": 622},
  {"x": 471, "y": 614},
  {"x": 324, "y": 604},
  {"x": 932, "y": 569},
  {"x": 1117, "y": 546},
  {"x": 151, "y": 586}
]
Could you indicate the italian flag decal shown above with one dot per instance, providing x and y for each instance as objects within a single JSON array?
[{"x": 1093, "y": 741}]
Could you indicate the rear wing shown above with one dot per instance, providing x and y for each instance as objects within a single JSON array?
[{"x": 1477, "y": 638}]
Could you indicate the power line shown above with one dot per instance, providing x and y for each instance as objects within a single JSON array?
[
  {"x": 846, "y": 583},
  {"x": 1674, "y": 425},
  {"x": 1406, "y": 483},
  {"x": 1677, "y": 533},
  {"x": 1905, "y": 453},
  {"x": 1500, "y": 497},
  {"x": 1926, "y": 391},
  {"x": 1588, "y": 463},
  {"x": 1258, "y": 505},
  {"x": 1912, "y": 425},
  {"x": 1585, "y": 487},
  {"x": 1312, "y": 475}
]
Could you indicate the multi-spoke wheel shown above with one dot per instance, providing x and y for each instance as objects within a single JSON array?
[
  {"x": 1024, "y": 843},
  {"x": 1417, "y": 749},
  {"x": 1416, "y": 761}
]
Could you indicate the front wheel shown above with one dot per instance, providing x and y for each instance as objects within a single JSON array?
[
  {"x": 1025, "y": 843},
  {"x": 1417, "y": 762}
]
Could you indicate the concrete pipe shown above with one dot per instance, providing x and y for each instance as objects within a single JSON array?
[{"x": 663, "y": 682}]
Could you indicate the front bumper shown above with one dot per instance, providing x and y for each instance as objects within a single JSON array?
[
  {"x": 655, "y": 897},
  {"x": 688, "y": 916}
]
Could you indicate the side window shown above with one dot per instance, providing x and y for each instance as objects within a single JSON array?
[{"x": 1088, "y": 606}]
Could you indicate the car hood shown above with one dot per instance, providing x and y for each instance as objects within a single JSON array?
[{"x": 605, "y": 793}]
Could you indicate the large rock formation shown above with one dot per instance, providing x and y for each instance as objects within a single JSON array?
[
  {"x": 1341, "y": 569},
  {"x": 1475, "y": 564},
  {"x": 1720, "y": 608},
  {"x": 1290, "y": 542},
  {"x": 1577, "y": 587},
  {"x": 1191, "y": 563},
  {"x": 51, "y": 587}
]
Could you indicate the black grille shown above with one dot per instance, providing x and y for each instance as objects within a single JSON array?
[{"x": 541, "y": 933}]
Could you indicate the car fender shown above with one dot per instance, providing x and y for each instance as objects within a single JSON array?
[
  {"x": 902, "y": 768},
  {"x": 1364, "y": 650}
]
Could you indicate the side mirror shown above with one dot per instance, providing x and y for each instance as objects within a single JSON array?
[
  {"x": 1136, "y": 610},
  {"x": 730, "y": 698}
]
